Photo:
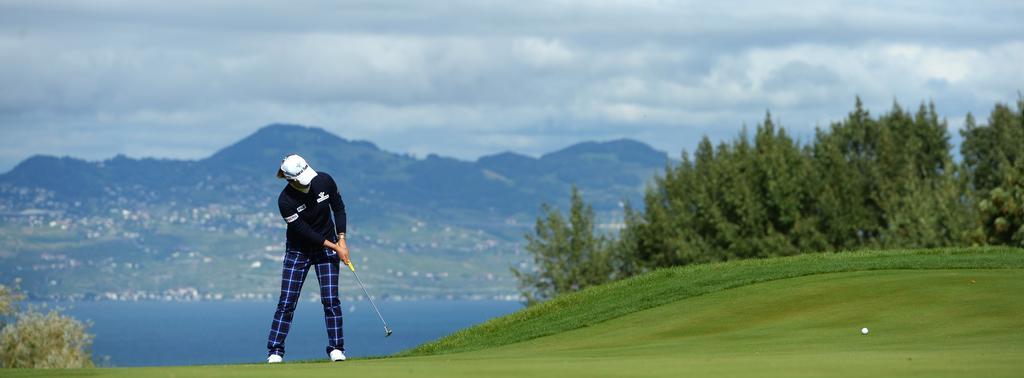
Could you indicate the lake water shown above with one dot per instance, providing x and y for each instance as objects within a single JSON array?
[{"x": 187, "y": 333}]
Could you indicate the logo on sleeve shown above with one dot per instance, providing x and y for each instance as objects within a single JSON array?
[
  {"x": 291, "y": 218},
  {"x": 322, "y": 197},
  {"x": 300, "y": 208}
]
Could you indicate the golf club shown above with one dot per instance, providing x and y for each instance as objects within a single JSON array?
[{"x": 387, "y": 331}]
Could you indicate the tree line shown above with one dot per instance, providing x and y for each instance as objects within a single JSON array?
[{"x": 887, "y": 181}]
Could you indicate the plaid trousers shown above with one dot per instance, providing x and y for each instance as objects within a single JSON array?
[{"x": 296, "y": 266}]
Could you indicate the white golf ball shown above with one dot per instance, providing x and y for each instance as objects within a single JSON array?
[{"x": 864, "y": 331}]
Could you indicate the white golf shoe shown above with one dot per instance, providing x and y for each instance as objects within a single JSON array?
[
  {"x": 337, "y": 355},
  {"x": 274, "y": 359}
]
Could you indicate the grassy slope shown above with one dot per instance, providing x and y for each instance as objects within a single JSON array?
[
  {"x": 669, "y": 285},
  {"x": 954, "y": 312}
]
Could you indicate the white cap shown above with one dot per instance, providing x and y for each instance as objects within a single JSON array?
[{"x": 295, "y": 168}]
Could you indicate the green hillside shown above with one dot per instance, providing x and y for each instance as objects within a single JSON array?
[
  {"x": 665, "y": 286},
  {"x": 456, "y": 223},
  {"x": 950, "y": 312}
]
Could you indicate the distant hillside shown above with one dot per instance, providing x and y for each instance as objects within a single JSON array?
[{"x": 185, "y": 229}]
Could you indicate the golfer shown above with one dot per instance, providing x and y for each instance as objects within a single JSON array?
[{"x": 315, "y": 213}]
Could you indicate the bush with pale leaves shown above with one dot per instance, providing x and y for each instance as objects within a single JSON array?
[{"x": 41, "y": 340}]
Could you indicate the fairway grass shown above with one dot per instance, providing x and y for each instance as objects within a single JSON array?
[{"x": 950, "y": 312}]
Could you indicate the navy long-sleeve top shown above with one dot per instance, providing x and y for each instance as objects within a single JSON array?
[{"x": 309, "y": 215}]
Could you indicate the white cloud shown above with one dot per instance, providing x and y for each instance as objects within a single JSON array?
[
  {"x": 182, "y": 79},
  {"x": 542, "y": 53}
]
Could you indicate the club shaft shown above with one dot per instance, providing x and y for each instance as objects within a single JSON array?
[{"x": 370, "y": 299}]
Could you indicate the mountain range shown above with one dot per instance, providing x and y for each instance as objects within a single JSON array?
[
  {"x": 144, "y": 210},
  {"x": 504, "y": 183}
]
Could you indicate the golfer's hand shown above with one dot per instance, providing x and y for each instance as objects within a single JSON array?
[{"x": 342, "y": 250}]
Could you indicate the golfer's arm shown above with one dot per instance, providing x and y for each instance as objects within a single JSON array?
[
  {"x": 335, "y": 246},
  {"x": 306, "y": 231},
  {"x": 296, "y": 224},
  {"x": 338, "y": 207}
]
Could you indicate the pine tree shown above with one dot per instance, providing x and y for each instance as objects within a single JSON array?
[
  {"x": 847, "y": 180},
  {"x": 988, "y": 149},
  {"x": 1001, "y": 210},
  {"x": 568, "y": 255},
  {"x": 993, "y": 162}
]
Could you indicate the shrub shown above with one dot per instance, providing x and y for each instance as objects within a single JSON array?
[{"x": 41, "y": 340}]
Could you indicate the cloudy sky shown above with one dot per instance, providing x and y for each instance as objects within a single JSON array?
[{"x": 180, "y": 79}]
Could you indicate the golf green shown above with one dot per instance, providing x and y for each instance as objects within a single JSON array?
[{"x": 924, "y": 321}]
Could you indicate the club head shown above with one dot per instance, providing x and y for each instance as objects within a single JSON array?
[{"x": 387, "y": 332}]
